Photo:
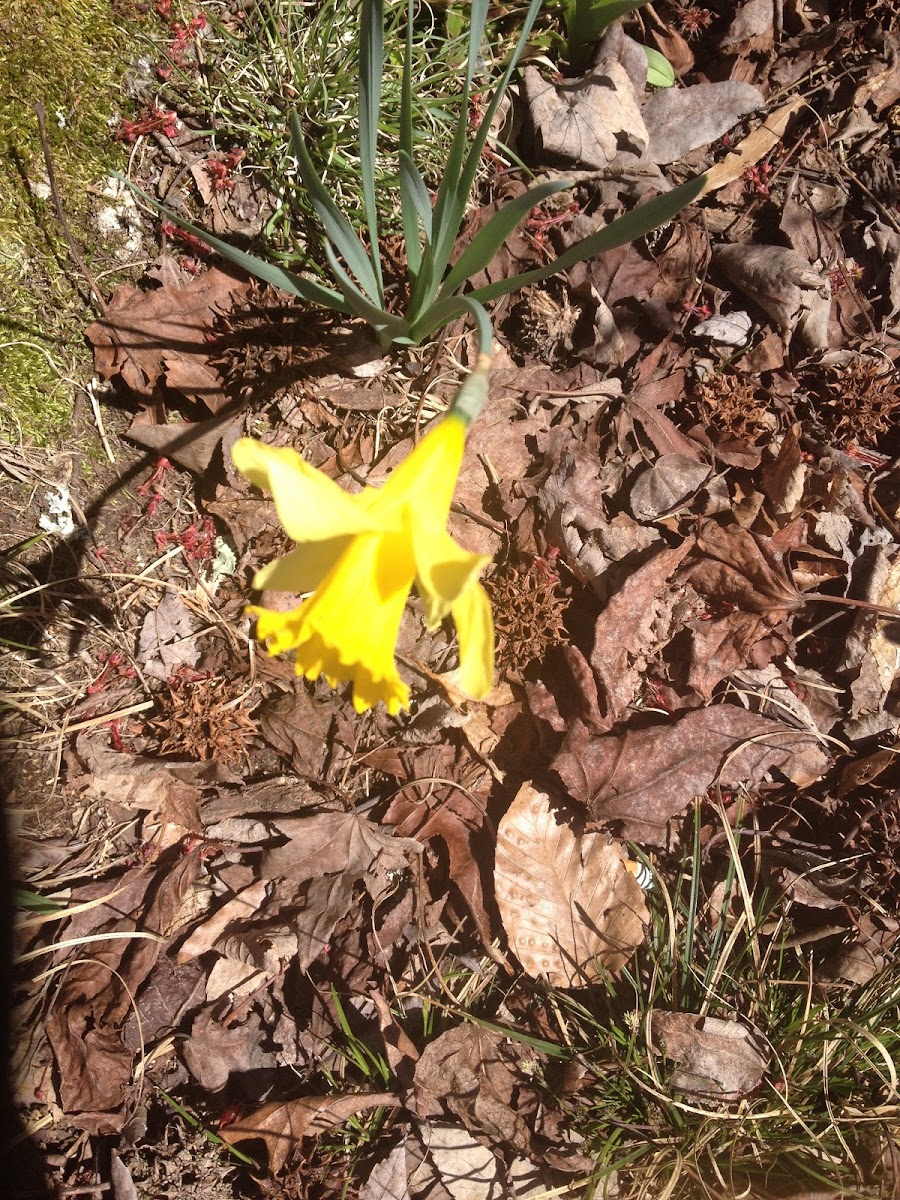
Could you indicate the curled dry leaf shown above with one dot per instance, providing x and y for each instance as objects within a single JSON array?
[
  {"x": 97, "y": 995},
  {"x": 784, "y": 285},
  {"x": 641, "y": 778},
  {"x": 624, "y": 630},
  {"x": 282, "y": 1124},
  {"x": 475, "y": 1073},
  {"x": 570, "y": 909}
]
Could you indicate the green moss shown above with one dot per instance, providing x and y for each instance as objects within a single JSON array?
[{"x": 71, "y": 57}]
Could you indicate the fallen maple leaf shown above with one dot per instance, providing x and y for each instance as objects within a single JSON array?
[
  {"x": 744, "y": 569},
  {"x": 570, "y": 908},
  {"x": 475, "y": 1073},
  {"x": 147, "y": 338},
  {"x": 340, "y": 843},
  {"x": 282, "y": 1124},
  {"x": 641, "y": 778}
]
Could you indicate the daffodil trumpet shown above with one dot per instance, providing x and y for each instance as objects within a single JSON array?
[{"x": 358, "y": 556}]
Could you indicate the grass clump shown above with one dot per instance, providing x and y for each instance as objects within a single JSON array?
[
  {"x": 827, "y": 1108},
  {"x": 284, "y": 56}
]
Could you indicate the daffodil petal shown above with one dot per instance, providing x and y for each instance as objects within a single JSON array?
[
  {"x": 310, "y": 506},
  {"x": 475, "y": 629},
  {"x": 303, "y": 569},
  {"x": 426, "y": 478},
  {"x": 348, "y": 629},
  {"x": 444, "y": 570}
]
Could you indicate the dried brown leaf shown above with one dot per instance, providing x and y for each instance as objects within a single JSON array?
[
  {"x": 466, "y": 1168},
  {"x": 641, "y": 778},
  {"x": 474, "y": 1073},
  {"x": 570, "y": 909},
  {"x": 161, "y": 336},
  {"x": 679, "y": 120},
  {"x": 388, "y": 1179},
  {"x": 713, "y": 1058},
  {"x": 664, "y": 487},
  {"x": 191, "y": 445},
  {"x": 743, "y": 569},
  {"x": 784, "y": 285},
  {"x": 340, "y": 843},
  {"x": 212, "y": 1050},
  {"x": 95, "y": 998},
  {"x": 588, "y": 120},
  {"x": 283, "y": 1124},
  {"x": 623, "y": 629}
]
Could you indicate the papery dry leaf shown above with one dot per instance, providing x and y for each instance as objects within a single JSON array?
[
  {"x": 466, "y": 1168},
  {"x": 299, "y": 932},
  {"x": 297, "y": 725},
  {"x": 571, "y": 911},
  {"x": 714, "y": 1058},
  {"x": 95, "y": 998},
  {"x": 474, "y": 1072},
  {"x": 723, "y": 646},
  {"x": 670, "y": 482},
  {"x": 679, "y": 120},
  {"x": 167, "y": 639},
  {"x": 753, "y": 25},
  {"x": 283, "y": 1124},
  {"x": 241, "y": 907},
  {"x": 388, "y": 1179},
  {"x": 641, "y": 778},
  {"x": 123, "y": 1186},
  {"x": 588, "y": 120},
  {"x": 455, "y": 817},
  {"x": 213, "y": 1050},
  {"x": 191, "y": 445}
]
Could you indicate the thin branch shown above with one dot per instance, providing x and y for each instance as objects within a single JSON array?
[{"x": 60, "y": 214}]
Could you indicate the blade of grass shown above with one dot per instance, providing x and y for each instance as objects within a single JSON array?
[
  {"x": 195, "y": 1123},
  {"x": 384, "y": 323},
  {"x": 410, "y": 200},
  {"x": 448, "y": 215},
  {"x": 371, "y": 67}
]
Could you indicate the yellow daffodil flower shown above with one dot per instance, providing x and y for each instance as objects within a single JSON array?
[{"x": 359, "y": 556}]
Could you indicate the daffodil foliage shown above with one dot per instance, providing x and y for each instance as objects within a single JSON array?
[{"x": 358, "y": 557}]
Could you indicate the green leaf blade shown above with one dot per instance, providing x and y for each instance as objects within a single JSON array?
[
  {"x": 491, "y": 237},
  {"x": 635, "y": 224}
]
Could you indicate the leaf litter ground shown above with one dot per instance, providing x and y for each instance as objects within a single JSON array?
[{"x": 415, "y": 957}]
